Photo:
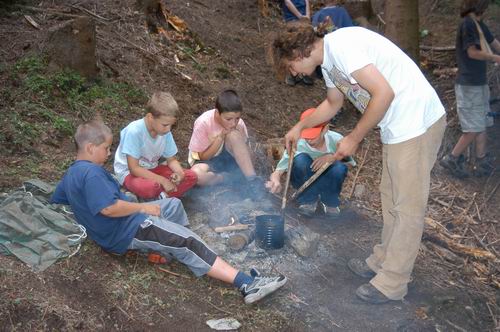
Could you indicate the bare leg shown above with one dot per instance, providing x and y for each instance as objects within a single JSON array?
[
  {"x": 205, "y": 176},
  {"x": 235, "y": 144},
  {"x": 463, "y": 143},
  {"x": 481, "y": 139},
  {"x": 222, "y": 271}
]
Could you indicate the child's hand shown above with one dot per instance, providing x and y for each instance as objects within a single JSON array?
[
  {"x": 320, "y": 161},
  {"x": 177, "y": 178},
  {"x": 221, "y": 136},
  {"x": 168, "y": 186},
  {"x": 151, "y": 209},
  {"x": 273, "y": 186}
]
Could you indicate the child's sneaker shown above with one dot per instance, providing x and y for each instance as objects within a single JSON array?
[
  {"x": 455, "y": 165},
  {"x": 330, "y": 211},
  {"x": 483, "y": 166},
  {"x": 261, "y": 286},
  {"x": 308, "y": 210}
]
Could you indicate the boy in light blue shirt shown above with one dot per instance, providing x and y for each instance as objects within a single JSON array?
[
  {"x": 316, "y": 146},
  {"x": 143, "y": 143}
]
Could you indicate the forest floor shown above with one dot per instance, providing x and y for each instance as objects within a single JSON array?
[{"x": 455, "y": 283}]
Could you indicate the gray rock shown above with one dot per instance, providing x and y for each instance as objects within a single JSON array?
[
  {"x": 224, "y": 324},
  {"x": 303, "y": 241},
  {"x": 359, "y": 190}
]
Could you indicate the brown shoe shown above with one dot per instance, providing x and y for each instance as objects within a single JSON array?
[
  {"x": 360, "y": 268},
  {"x": 370, "y": 294}
]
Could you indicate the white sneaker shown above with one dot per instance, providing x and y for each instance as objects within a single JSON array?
[
  {"x": 330, "y": 211},
  {"x": 261, "y": 287},
  {"x": 308, "y": 209}
]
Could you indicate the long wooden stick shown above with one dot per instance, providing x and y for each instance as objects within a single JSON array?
[
  {"x": 287, "y": 183},
  {"x": 312, "y": 178},
  {"x": 359, "y": 170}
]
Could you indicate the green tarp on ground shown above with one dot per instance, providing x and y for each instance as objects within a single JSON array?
[{"x": 36, "y": 232}]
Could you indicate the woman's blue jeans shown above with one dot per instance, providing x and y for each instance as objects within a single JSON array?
[{"x": 327, "y": 187}]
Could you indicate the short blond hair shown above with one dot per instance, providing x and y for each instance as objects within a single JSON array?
[
  {"x": 162, "y": 104},
  {"x": 93, "y": 131}
]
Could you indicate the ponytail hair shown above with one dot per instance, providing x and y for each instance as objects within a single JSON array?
[{"x": 295, "y": 41}]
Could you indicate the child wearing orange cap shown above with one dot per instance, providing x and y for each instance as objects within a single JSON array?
[{"x": 315, "y": 146}]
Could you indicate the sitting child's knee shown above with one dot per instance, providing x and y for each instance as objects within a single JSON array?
[
  {"x": 190, "y": 175},
  {"x": 338, "y": 169},
  {"x": 302, "y": 160},
  {"x": 200, "y": 169},
  {"x": 235, "y": 136}
]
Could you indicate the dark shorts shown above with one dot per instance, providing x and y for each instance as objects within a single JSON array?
[{"x": 224, "y": 163}]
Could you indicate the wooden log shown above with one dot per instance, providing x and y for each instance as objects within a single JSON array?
[
  {"x": 437, "y": 48},
  {"x": 459, "y": 249},
  {"x": 230, "y": 228},
  {"x": 239, "y": 241}
]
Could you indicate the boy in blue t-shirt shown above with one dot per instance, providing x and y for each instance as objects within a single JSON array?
[{"x": 118, "y": 225}]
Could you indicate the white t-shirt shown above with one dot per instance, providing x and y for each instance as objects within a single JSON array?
[
  {"x": 136, "y": 141},
  {"x": 416, "y": 105}
]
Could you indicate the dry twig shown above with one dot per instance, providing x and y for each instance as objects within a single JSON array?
[
  {"x": 359, "y": 170},
  {"x": 173, "y": 273}
]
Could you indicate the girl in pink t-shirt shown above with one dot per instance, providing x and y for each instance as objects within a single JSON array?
[{"x": 218, "y": 146}]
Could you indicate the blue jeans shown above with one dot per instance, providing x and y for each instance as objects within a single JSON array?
[{"x": 327, "y": 186}]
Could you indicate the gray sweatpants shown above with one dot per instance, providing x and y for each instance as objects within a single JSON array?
[{"x": 168, "y": 236}]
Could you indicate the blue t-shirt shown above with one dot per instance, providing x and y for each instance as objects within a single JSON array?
[
  {"x": 340, "y": 17},
  {"x": 288, "y": 15},
  {"x": 88, "y": 188},
  {"x": 136, "y": 141}
]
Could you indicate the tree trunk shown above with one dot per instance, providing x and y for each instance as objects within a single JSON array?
[{"x": 402, "y": 25}]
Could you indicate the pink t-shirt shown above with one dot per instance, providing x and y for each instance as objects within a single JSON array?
[{"x": 205, "y": 130}]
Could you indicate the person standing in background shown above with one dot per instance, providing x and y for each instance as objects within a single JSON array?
[{"x": 474, "y": 46}]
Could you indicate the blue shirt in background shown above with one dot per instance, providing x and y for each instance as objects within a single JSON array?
[
  {"x": 288, "y": 15},
  {"x": 339, "y": 15}
]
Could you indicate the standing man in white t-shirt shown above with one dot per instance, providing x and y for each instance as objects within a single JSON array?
[{"x": 389, "y": 89}]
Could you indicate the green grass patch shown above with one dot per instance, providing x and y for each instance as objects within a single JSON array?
[
  {"x": 223, "y": 73},
  {"x": 49, "y": 105}
]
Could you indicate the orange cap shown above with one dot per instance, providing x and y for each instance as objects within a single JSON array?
[{"x": 311, "y": 133}]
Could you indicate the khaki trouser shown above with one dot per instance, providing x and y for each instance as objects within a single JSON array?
[{"x": 404, "y": 191}]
